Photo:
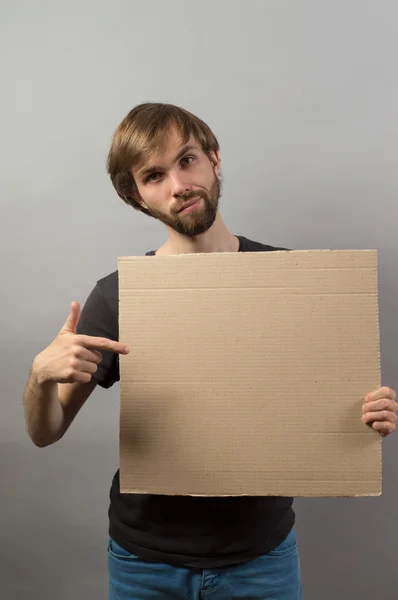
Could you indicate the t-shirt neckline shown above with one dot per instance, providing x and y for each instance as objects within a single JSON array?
[{"x": 240, "y": 248}]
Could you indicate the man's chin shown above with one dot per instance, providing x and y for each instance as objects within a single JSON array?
[
  {"x": 192, "y": 232},
  {"x": 189, "y": 225},
  {"x": 195, "y": 229}
]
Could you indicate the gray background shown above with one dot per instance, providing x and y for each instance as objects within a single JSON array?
[{"x": 303, "y": 97}]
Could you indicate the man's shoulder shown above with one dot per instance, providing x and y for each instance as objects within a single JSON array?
[
  {"x": 248, "y": 245},
  {"x": 109, "y": 284}
]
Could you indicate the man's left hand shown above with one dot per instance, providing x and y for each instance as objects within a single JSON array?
[{"x": 379, "y": 410}]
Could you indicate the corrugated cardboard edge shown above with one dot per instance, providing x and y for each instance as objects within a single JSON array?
[{"x": 379, "y": 374}]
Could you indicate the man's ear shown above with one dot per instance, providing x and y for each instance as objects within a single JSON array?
[
  {"x": 137, "y": 200},
  {"x": 140, "y": 204},
  {"x": 140, "y": 200},
  {"x": 215, "y": 161},
  {"x": 137, "y": 196},
  {"x": 143, "y": 205}
]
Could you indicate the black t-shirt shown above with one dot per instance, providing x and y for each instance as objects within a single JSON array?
[{"x": 200, "y": 532}]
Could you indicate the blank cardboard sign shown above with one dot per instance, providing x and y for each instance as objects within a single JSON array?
[{"x": 247, "y": 373}]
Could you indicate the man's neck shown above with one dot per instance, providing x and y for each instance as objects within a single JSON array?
[{"x": 217, "y": 239}]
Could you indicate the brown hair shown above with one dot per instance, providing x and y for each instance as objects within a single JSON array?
[{"x": 143, "y": 131}]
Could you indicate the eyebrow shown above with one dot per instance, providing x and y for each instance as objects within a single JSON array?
[{"x": 142, "y": 174}]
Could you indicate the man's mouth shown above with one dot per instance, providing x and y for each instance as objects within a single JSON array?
[{"x": 190, "y": 204}]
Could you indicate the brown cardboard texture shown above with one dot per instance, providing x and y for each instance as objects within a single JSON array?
[{"x": 247, "y": 373}]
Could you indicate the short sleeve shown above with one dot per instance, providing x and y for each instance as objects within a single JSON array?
[{"x": 99, "y": 318}]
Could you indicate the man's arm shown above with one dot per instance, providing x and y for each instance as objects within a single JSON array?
[
  {"x": 51, "y": 407},
  {"x": 61, "y": 380}
]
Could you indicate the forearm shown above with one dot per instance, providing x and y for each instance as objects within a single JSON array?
[{"x": 44, "y": 415}]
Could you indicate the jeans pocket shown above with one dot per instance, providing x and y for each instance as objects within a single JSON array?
[
  {"x": 288, "y": 545},
  {"x": 118, "y": 552}
]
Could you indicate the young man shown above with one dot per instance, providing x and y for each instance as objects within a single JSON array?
[{"x": 165, "y": 162}]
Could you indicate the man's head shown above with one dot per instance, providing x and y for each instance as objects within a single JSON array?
[{"x": 164, "y": 162}]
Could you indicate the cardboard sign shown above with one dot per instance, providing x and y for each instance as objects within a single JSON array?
[{"x": 247, "y": 373}]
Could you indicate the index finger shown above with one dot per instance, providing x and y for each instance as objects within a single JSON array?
[{"x": 100, "y": 343}]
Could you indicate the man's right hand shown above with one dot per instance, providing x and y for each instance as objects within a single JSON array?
[{"x": 72, "y": 357}]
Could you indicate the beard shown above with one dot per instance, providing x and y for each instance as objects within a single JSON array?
[{"x": 199, "y": 220}]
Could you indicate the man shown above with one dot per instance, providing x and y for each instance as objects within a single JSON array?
[{"x": 165, "y": 162}]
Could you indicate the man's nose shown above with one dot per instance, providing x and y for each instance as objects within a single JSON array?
[{"x": 179, "y": 185}]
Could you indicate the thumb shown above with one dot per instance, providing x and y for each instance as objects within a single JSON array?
[{"x": 73, "y": 319}]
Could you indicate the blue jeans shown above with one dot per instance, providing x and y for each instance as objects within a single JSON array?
[{"x": 273, "y": 576}]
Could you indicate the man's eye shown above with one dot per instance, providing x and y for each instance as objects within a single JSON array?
[
  {"x": 187, "y": 160},
  {"x": 153, "y": 177}
]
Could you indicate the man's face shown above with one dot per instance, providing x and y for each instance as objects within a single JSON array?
[{"x": 180, "y": 186}]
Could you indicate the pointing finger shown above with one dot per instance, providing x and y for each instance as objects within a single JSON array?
[{"x": 100, "y": 343}]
